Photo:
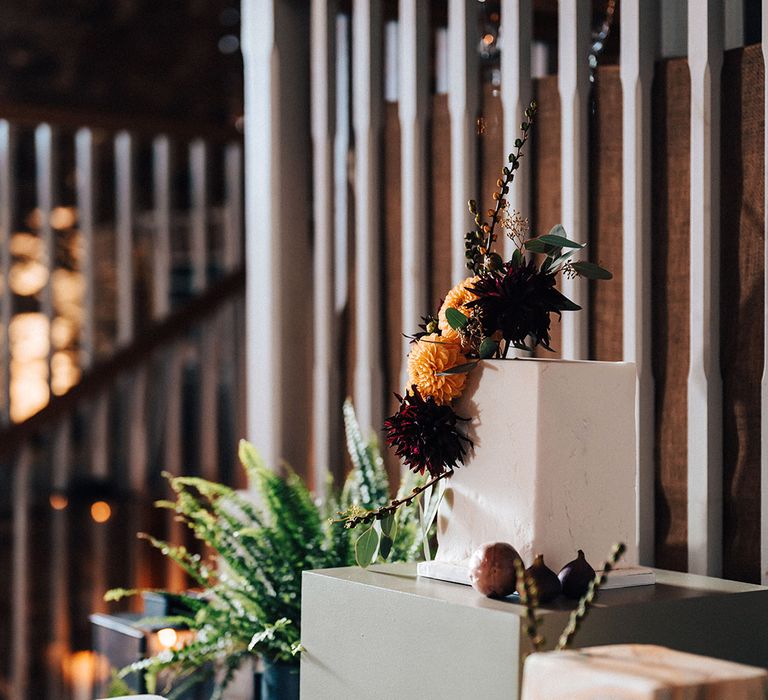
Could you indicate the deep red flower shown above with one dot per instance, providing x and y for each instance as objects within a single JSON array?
[
  {"x": 518, "y": 302},
  {"x": 425, "y": 436}
]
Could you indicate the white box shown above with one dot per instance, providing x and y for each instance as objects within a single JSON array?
[{"x": 553, "y": 468}]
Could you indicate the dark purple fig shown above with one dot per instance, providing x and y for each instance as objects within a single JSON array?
[
  {"x": 548, "y": 585},
  {"x": 576, "y": 576},
  {"x": 492, "y": 569}
]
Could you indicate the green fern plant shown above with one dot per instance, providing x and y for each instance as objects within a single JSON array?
[{"x": 250, "y": 599}]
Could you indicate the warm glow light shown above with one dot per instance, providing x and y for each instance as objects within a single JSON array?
[
  {"x": 58, "y": 501},
  {"x": 100, "y": 511},
  {"x": 63, "y": 217},
  {"x": 82, "y": 670},
  {"x": 26, "y": 245},
  {"x": 167, "y": 637},
  {"x": 488, "y": 39},
  {"x": 27, "y": 278},
  {"x": 28, "y": 335},
  {"x": 64, "y": 372}
]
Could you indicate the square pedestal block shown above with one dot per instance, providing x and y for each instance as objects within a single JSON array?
[
  {"x": 639, "y": 672},
  {"x": 553, "y": 468},
  {"x": 384, "y": 632}
]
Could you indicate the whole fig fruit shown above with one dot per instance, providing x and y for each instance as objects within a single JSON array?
[
  {"x": 576, "y": 576},
  {"x": 492, "y": 569},
  {"x": 548, "y": 585}
]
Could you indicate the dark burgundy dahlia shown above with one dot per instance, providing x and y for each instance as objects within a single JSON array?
[
  {"x": 425, "y": 436},
  {"x": 518, "y": 301}
]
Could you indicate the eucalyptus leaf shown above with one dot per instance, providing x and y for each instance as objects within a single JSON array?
[
  {"x": 591, "y": 271},
  {"x": 558, "y": 241},
  {"x": 385, "y": 547},
  {"x": 365, "y": 547},
  {"x": 564, "y": 303},
  {"x": 389, "y": 525},
  {"x": 517, "y": 259},
  {"x": 564, "y": 257},
  {"x": 456, "y": 319},
  {"x": 487, "y": 348},
  {"x": 536, "y": 245},
  {"x": 459, "y": 369}
]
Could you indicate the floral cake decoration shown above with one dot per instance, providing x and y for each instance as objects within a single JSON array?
[{"x": 501, "y": 305}]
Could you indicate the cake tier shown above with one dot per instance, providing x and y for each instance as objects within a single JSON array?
[{"x": 553, "y": 468}]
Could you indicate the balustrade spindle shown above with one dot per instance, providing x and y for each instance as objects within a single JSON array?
[
  {"x": 705, "y": 59},
  {"x": 233, "y": 219},
  {"x": 161, "y": 253},
  {"x": 45, "y": 167},
  {"x": 7, "y": 191},
  {"x": 325, "y": 376},
  {"x": 198, "y": 229},
  {"x": 573, "y": 82},
  {"x": 516, "y": 92},
  {"x": 86, "y": 204},
  {"x": 20, "y": 636},
  {"x": 638, "y": 51},
  {"x": 340, "y": 163},
  {"x": 366, "y": 118},
  {"x": 462, "y": 106},
  {"x": 124, "y": 215},
  {"x": 413, "y": 112},
  {"x": 764, "y": 382}
]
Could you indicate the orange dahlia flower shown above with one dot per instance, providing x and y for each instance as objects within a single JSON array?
[
  {"x": 429, "y": 356},
  {"x": 457, "y": 299}
]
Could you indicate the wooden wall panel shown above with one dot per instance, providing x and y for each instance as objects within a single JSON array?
[
  {"x": 545, "y": 175},
  {"x": 670, "y": 278},
  {"x": 605, "y": 206},
  {"x": 741, "y": 307}
]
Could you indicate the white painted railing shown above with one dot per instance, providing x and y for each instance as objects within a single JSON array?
[
  {"x": 649, "y": 31},
  {"x": 155, "y": 368}
]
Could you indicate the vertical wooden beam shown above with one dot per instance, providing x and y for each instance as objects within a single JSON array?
[
  {"x": 573, "y": 83},
  {"x": 764, "y": 382},
  {"x": 84, "y": 160},
  {"x": 198, "y": 229},
  {"x": 638, "y": 52},
  {"x": 413, "y": 111},
  {"x": 161, "y": 254},
  {"x": 366, "y": 118},
  {"x": 462, "y": 105},
  {"x": 124, "y": 210},
  {"x": 7, "y": 190},
  {"x": 325, "y": 400},
  {"x": 516, "y": 93},
  {"x": 705, "y": 58}
]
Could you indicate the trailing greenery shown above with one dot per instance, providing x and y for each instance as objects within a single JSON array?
[{"x": 250, "y": 584}]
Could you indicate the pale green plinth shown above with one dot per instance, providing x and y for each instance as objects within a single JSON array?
[{"x": 385, "y": 633}]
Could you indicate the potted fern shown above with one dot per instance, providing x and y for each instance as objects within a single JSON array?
[{"x": 249, "y": 598}]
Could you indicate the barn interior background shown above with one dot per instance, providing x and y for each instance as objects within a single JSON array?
[{"x": 368, "y": 127}]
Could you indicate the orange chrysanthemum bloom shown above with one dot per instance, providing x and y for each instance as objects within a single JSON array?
[
  {"x": 430, "y": 355},
  {"x": 457, "y": 299}
]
